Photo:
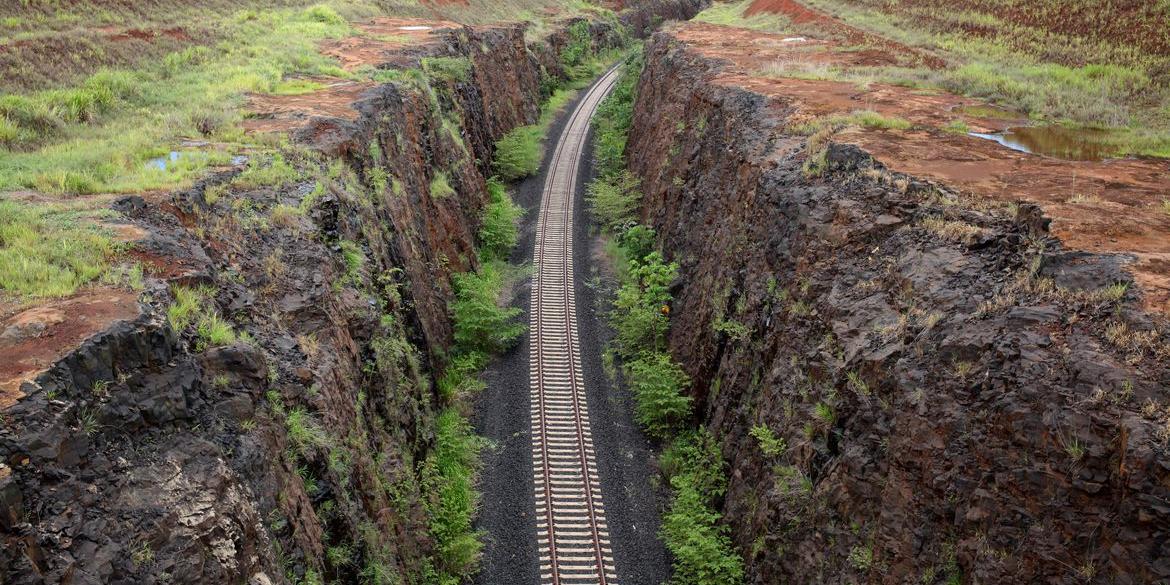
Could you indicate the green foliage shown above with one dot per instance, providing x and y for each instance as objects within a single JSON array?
[
  {"x": 304, "y": 432},
  {"x": 732, "y": 14},
  {"x": 613, "y": 119},
  {"x": 638, "y": 315},
  {"x": 518, "y": 153},
  {"x": 187, "y": 306},
  {"x": 615, "y": 201},
  {"x": 49, "y": 251},
  {"x": 578, "y": 48},
  {"x": 214, "y": 331},
  {"x": 701, "y": 546},
  {"x": 770, "y": 444},
  {"x": 448, "y": 68},
  {"x": 449, "y": 480},
  {"x": 480, "y": 323},
  {"x": 498, "y": 233},
  {"x": 658, "y": 384},
  {"x": 441, "y": 185},
  {"x": 324, "y": 14},
  {"x": 275, "y": 173}
]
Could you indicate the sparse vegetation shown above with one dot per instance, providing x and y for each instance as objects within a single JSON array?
[{"x": 770, "y": 444}]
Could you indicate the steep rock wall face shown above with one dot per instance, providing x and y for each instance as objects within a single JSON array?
[
  {"x": 145, "y": 457},
  {"x": 953, "y": 407}
]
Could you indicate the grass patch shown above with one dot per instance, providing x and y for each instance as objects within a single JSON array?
[
  {"x": 50, "y": 250},
  {"x": 441, "y": 185},
  {"x": 732, "y": 14},
  {"x": 98, "y": 136}
]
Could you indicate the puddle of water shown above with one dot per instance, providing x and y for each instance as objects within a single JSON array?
[
  {"x": 793, "y": 40},
  {"x": 415, "y": 28},
  {"x": 161, "y": 163},
  {"x": 1058, "y": 142}
]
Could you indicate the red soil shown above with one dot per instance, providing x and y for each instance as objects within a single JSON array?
[
  {"x": 33, "y": 339},
  {"x": 850, "y": 35},
  {"x": 1111, "y": 206}
]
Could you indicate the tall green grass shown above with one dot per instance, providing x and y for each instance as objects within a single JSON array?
[
  {"x": 99, "y": 136},
  {"x": 50, "y": 250}
]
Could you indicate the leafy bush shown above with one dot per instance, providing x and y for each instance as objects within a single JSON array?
[
  {"x": 613, "y": 119},
  {"x": 449, "y": 479},
  {"x": 658, "y": 383},
  {"x": 701, "y": 546},
  {"x": 638, "y": 314},
  {"x": 615, "y": 201},
  {"x": 498, "y": 235},
  {"x": 518, "y": 152},
  {"x": 480, "y": 323}
]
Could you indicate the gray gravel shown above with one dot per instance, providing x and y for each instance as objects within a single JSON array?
[{"x": 624, "y": 456}]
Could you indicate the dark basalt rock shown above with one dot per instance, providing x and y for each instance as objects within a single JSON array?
[{"x": 983, "y": 428}]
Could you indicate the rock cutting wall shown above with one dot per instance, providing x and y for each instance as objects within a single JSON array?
[
  {"x": 142, "y": 457},
  {"x": 963, "y": 399}
]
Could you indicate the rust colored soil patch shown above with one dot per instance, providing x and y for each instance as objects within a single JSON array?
[
  {"x": 803, "y": 15},
  {"x": 33, "y": 339},
  {"x": 383, "y": 40},
  {"x": 278, "y": 113},
  {"x": 1110, "y": 206}
]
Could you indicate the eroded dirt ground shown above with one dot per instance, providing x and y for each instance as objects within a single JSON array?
[{"x": 1098, "y": 206}]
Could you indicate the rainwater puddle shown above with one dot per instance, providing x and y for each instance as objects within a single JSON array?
[
  {"x": 415, "y": 28},
  {"x": 163, "y": 163},
  {"x": 1058, "y": 141}
]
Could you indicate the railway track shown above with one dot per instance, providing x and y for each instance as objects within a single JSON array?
[{"x": 572, "y": 535}]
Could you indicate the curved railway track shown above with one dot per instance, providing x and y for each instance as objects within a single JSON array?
[{"x": 572, "y": 535}]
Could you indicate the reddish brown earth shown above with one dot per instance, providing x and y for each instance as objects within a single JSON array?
[
  {"x": 849, "y": 35},
  {"x": 33, "y": 339},
  {"x": 1105, "y": 206}
]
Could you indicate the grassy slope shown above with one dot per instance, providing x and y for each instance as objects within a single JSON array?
[
  {"x": 1078, "y": 78},
  {"x": 99, "y": 134}
]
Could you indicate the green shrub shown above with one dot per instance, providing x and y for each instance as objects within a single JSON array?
[
  {"x": 702, "y": 550},
  {"x": 639, "y": 242},
  {"x": 324, "y": 14},
  {"x": 615, "y": 200},
  {"x": 518, "y": 153},
  {"x": 613, "y": 119},
  {"x": 449, "y": 480},
  {"x": 638, "y": 315},
  {"x": 498, "y": 234},
  {"x": 480, "y": 323},
  {"x": 658, "y": 384},
  {"x": 770, "y": 444}
]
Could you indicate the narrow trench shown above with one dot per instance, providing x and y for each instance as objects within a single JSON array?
[{"x": 624, "y": 458}]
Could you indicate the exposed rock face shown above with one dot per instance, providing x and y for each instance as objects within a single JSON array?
[
  {"x": 956, "y": 402},
  {"x": 144, "y": 457}
]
